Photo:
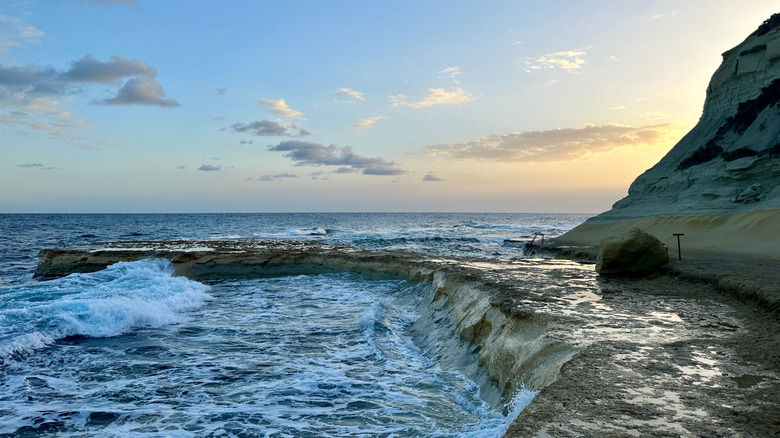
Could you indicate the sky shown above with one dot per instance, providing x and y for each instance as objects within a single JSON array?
[{"x": 304, "y": 106}]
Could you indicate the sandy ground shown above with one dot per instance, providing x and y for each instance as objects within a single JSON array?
[
  {"x": 755, "y": 232},
  {"x": 703, "y": 361}
]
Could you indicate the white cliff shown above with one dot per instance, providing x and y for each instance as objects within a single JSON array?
[{"x": 728, "y": 164}]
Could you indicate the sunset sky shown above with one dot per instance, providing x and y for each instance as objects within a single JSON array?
[{"x": 250, "y": 106}]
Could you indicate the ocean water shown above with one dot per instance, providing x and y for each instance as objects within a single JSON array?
[{"x": 135, "y": 351}]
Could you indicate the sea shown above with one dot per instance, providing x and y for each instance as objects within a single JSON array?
[{"x": 135, "y": 351}]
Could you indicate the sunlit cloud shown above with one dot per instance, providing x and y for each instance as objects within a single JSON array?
[
  {"x": 556, "y": 144},
  {"x": 569, "y": 61},
  {"x": 269, "y": 128},
  {"x": 280, "y": 107},
  {"x": 62, "y": 127},
  {"x": 14, "y": 31},
  {"x": 434, "y": 96},
  {"x": 305, "y": 153},
  {"x": 368, "y": 123},
  {"x": 452, "y": 73},
  {"x": 352, "y": 95}
]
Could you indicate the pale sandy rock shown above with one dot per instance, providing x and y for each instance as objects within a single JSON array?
[{"x": 634, "y": 253}]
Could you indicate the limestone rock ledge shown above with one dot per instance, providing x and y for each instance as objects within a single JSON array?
[{"x": 516, "y": 352}]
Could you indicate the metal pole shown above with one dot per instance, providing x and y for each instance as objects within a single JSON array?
[{"x": 679, "y": 250}]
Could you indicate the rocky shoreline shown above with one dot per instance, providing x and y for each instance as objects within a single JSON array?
[
  {"x": 666, "y": 355},
  {"x": 716, "y": 373}
]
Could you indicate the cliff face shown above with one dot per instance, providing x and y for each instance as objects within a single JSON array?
[{"x": 730, "y": 161}]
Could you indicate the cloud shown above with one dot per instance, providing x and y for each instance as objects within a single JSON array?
[
  {"x": 354, "y": 95},
  {"x": 140, "y": 91},
  {"x": 451, "y": 72},
  {"x": 383, "y": 170},
  {"x": 280, "y": 107},
  {"x": 269, "y": 128},
  {"x": 89, "y": 69},
  {"x": 22, "y": 87},
  {"x": 181, "y": 168},
  {"x": 209, "y": 168},
  {"x": 58, "y": 126},
  {"x": 269, "y": 178},
  {"x": 36, "y": 166},
  {"x": 368, "y": 123},
  {"x": 435, "y": 96},
  {"x": 14, "y": 31},
  {"x": 306, "y": 153},
  {"x": 569, "y": 61},
  {"x": 555, "y": 144},
  {"x": 431, "y": 177},
  {"x": 221, "y": 91}
]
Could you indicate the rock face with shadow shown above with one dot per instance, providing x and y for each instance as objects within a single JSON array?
[
  {"x": 720, "y": 184},
  {"x": 632, "y": 254},
  {"x": 730, "y": 161}
]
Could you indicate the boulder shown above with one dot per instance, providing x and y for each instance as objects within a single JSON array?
[{"x": 633, "y": 254}]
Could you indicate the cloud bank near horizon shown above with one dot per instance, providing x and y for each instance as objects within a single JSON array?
[{"x": 563, "y": 144}]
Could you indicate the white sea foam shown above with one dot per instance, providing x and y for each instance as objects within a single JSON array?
[{"x": 111, "y": 302}]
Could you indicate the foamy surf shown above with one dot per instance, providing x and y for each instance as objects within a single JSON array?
[
  {"x": 108, "y": 303},
  {"x": 315, "y": 355}
]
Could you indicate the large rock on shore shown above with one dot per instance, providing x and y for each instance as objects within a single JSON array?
[
  {"x": 728, "y": 165},
  {"x": 632, "y": 254}
]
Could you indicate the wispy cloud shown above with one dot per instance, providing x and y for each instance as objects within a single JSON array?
[
  {"x": 209, "y": 168},
  {"x": 434, "y": 96},
  {"x": 280, "y": 107},
  {"x": 368, "y": 123},
  {"x": 269, "y": 128},
  {"x": 40, "y": 166},
  {"x": 276, "y": 177},
  {"x": 555, "y": 144},
  {"x": 569, "y": 61},
  {"x": 14, "y": 31},
  {"x": 305, "y": 153},
  {"x": 63, "y": 126},
  {"x": 432, "y": 178},
  {"x": 451, "y": 72},
  {"x": 352, "y": 95}
]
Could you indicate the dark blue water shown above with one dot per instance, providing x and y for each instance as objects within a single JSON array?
[{"x": 135, "y": 351}]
